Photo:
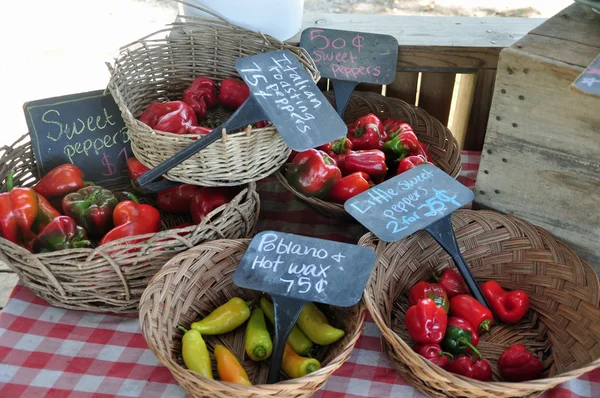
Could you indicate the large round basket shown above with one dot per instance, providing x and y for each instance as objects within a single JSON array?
[
  {"x": 112, "y": 277},
  {"x": 193, "y": 284},
  {"x": 438, "y": 139},
  {"x": 161, "y": 66},
  {"x": 563, "y": 325}
]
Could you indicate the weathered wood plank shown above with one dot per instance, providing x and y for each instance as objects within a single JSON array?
[
  {"x": 577, "y": 23},
  {"x": 404, "y": 87},
  {"x": 460, "y": 109},
  {"x": 435, "y": 94},
  {"x": 551, "y": 47},
  {"x": 480, "y": 110}
]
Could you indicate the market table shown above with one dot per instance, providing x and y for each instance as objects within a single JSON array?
[{"x": 52, "y": 352}]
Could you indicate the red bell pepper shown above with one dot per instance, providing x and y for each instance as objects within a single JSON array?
[
  {"x": 92, "y": 208},
  {"x": 426, "y": 322},
  {"x": 62, "y": 233},
  {"x": 429, "y": 290},
  {"x": 262, "y": 124},
  {"x": 233, "y": 93},
  {"x": 206, "y": 199},
  {"x": 172, "y": 117},
  {"x": 423, "y": 151},
  {"x": 400, "y": 145},
  {"x": 201, "y": 95},
  {"x": 177, "y": 199},
  {"x": 452, "y": 283},
  {"x": 410, "y": 162},
  {"x": 349, "y": 186},
  {"x": 199, "y": 130},
  {"x": 370, "y": 161},
  {"x": 393, "y": 127},
  {"x": 460, "y": 337},
  {"x": 468, "y": 308},
  {"x": 434, "y": 353},
  {"x": 23, "y": 214},
  {"x": 517, "y": 364},
  {"x": 338, "y": 147},
  {"x": 313, "y": 173},
  {"x": 132, "y": 218},
  {"x": 59, "y": 182},
  {"x": 136, "y": 168},
  {"x": 509, "y": 307},
  {"x": 478, "y": 370},
  {"x": 367, "y": 133}
]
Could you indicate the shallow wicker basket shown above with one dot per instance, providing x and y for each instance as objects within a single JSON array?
[
  {"x": 438, "y": 139},
  {"x": 193, "y": 284},
  {"x": 563, "y": 325},
  {"x": 161, "y": 66},
  {"x": 112, "y": 277}
]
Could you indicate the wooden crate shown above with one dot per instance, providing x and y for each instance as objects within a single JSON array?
[{"x": 541, "y": 157}]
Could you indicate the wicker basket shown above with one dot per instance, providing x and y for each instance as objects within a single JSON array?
[
  {"x": 194, "y": 283},
  {"x": 562, "y": 328},
  {"x": 438, "y": 139},
  {"x": 112, "y": 277},
  {"x": 161, "y": 66}
]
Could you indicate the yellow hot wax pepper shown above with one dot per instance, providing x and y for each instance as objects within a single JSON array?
[
  {"x": 257, "y": 340},
  {"x": 297, "y": 339},
  {"x": 225, "y": 318},
  {"x": 296, "y": 366},
  {"x": 316, "y": 326},
  {"x": 195, "y": 353}
]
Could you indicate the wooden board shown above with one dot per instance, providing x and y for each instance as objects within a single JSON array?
[
  {"x": 435, "y": 94},
  {"x": 541, "y": 158},
  {"x": 404, "y": 87},
  {"x": 460, "y": 109},
  {"x": 480, "y": 110}
]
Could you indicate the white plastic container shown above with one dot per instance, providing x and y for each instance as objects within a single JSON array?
[{"x": 281, "y": 19}]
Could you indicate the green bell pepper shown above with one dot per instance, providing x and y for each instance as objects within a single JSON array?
[{"x": 91, "y": 207}]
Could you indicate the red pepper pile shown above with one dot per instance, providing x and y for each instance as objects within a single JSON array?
[
  {"x": 445, "y": 321},
  {"x": 183, "y": 116},
  {"x": 61, "y": 211},
  {"x": 371, "y": 152}
]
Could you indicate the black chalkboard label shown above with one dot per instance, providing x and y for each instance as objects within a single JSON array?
[
  {"x": 589, "y": 81},
  {"x": 408, "y": 202},
  {"x": 85, "y": 129},
  {"x": 353, "y": 56},
  {"x": 307, "y": 269},
  {"x": 291, "y": 100}
]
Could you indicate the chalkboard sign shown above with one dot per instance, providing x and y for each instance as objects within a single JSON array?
[
  {"x": 291, "y": 100},
  {"x": 408, "y": 202},
  {"x": 353, "y": 56},
  {"x": 304, "y": 268},
  {"x": 85, "y": 129},
  {"x": 589, "y": 81}
]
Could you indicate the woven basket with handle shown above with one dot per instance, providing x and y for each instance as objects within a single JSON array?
[
  {"x": 161, "y": 66},
  {"x": 193, "y": 284},
  {"x": 438, "y": 139},
  {"x": 112, "y": 277},
  {"x": 562, "y": 328}
]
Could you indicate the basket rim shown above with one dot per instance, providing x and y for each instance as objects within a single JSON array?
[
  {"x": 536, "y": 384},
  {"x": 325, "y": 371}
]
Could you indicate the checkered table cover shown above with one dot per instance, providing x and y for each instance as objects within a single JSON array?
[{"x": 52, "y": 352}]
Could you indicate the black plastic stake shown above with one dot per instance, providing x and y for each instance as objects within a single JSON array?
[
  {"x": 342, "y": 90},
  {"x": 249, "y": 112},
  {"x": 287, "y": 310},
  {"x": 443, "y": 234}
]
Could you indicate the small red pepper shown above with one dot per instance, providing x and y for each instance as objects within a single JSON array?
[
  {"x": 460, "y": 337},
  {"x": 400, "y": 145},
  {"x": 177, "y": 199},
  {"x": 92, "y": 208},
  {"x": 313, "y": 173},
  {"x": 429, "y": 290},
  {"x": 426, "y": 322},
  {"x": 370, "y": 161},
  {"x": 136, "y": 168},
  {"x": 172, "y": 117},
  {"x": 59, "y": 182},
  {"x": 338, "y": 147},
  {"x": 517, "y": 364},
  {"x": 349, "y": 186},
  {"x": 434, "y": 353},
  {"x": 478, "y": 370},
  {"x": 62, "y": 233},
  {"x": 262, "y": 124},
  {"x": 423, "y": 151},
  {"x": 452, "y": 283},
  {"x": 468, "y": 308},
  {"x": 201, "y": 95},
  {"x": 367, "y": 133},
  {"x": 206, "y": 199},
  {"x": 393, "y": 127},
  {"x": 410, "y": 162},
  {"x": 509, "y": 307},
  {"x": 132, "y": 218},
  {"x": 233, "y": 93}
]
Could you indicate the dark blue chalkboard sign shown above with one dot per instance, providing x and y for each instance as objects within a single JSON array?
[{"x": 85, "y": 129}]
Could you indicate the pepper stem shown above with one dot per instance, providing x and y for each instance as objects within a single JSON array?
[
  {"x": 132, "y": 197},
  {"x": 442, "y": 353},
  {"x": 184, "y": 330},
  {"x": 437, "y": 277},
  {"x": 311, "y": 367},
  {"x": 88, "y": 184},
  {"x": 248, "y": 303},
  {"x": 471, "y": 346},
  {"x": 485, "y": 325},
  {"x": 10, "y": 181},
  {"x": 259, "y": 351}
]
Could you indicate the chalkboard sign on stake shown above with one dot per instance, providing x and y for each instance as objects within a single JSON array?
[
  {"x": 589, "y": 80},
  {"x": 421, "y": 198},
  {"x": 296, "y": 270},
  {"x": 282, "y": 92},
  {"x": 348, "y": 58},
  {"x": 85, "y": 129}
]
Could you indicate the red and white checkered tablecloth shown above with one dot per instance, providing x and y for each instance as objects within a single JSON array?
[{"x": 52, "y": 352}]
